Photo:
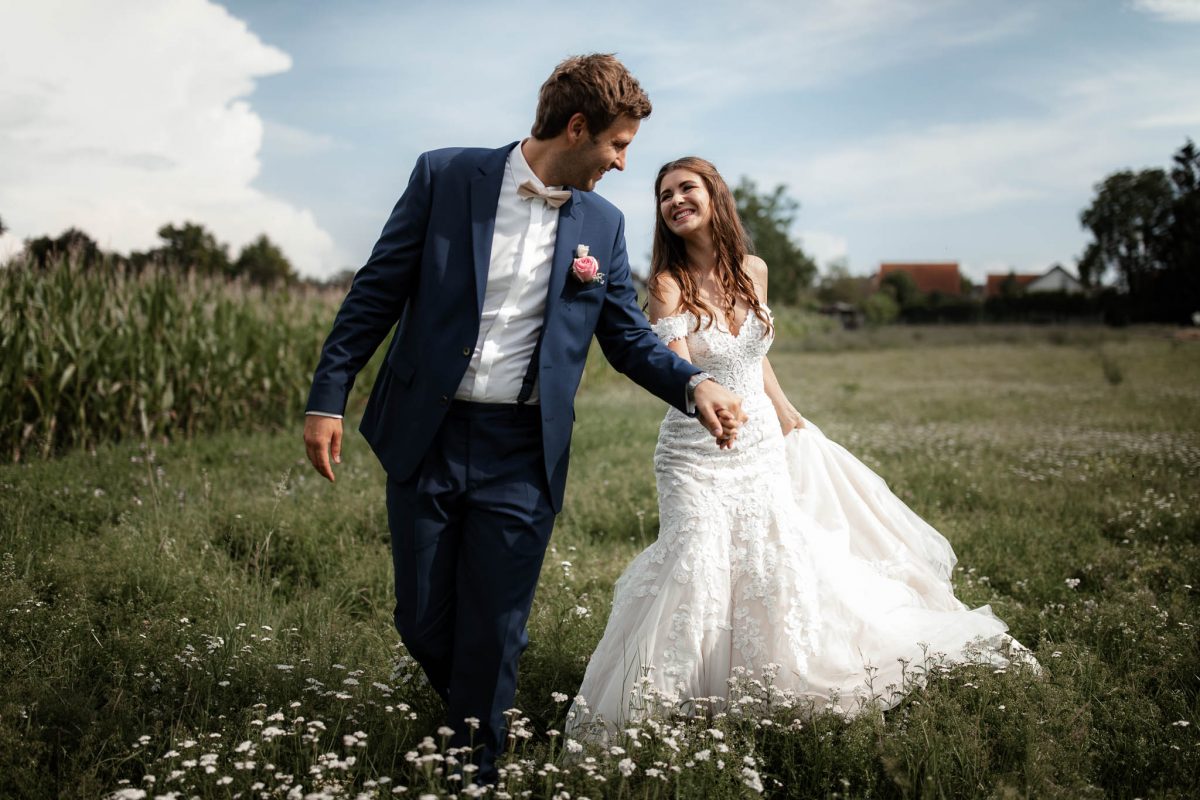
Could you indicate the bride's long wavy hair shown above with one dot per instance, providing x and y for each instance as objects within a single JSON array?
[{"x": 669, "y": 256}]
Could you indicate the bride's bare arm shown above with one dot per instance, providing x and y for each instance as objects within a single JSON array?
[{"x": 789, "y": 417}]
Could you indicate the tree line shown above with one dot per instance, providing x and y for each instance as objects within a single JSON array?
[
  {"x": 1143, "y": 263},
  {"x": 188, "y": 248}
]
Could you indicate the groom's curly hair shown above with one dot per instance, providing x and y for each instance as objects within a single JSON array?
[{"x": 597, "y": 86}]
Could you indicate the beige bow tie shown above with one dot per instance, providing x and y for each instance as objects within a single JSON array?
[{"x": 553, "y": 197}]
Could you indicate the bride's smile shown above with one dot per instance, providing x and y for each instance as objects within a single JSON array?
[{"x": 685, "y": 206}]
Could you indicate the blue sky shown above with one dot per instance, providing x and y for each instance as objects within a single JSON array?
[{"x": 939, "y": 129}]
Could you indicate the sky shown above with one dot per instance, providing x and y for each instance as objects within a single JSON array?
[{"x": 954, "y": 130}]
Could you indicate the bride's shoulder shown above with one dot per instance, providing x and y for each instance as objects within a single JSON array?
[{"x": 756, "y": 267}]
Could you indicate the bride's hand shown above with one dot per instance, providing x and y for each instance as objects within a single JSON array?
[{"x": 789, "y": 418}]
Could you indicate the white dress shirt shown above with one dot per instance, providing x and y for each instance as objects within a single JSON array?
[{"x": 514, "y": 301}]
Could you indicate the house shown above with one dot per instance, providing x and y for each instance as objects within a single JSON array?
[
  {"x": 1055, "y": 279},
  {"x": 935, "y": 276},
  {"x": 997, "y": 281}
]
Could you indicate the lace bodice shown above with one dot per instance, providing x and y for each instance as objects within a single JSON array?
[{"x": 734, "y": 360}]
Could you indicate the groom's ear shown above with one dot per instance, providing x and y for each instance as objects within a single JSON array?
[{"x": 577, "y": 128}]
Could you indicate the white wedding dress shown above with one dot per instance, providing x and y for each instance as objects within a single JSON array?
[{"x": 785, "y": 556}]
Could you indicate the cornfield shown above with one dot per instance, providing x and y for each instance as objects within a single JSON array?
[{"x": 88, "y": 356}]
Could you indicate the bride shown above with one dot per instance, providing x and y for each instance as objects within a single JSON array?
[{"x": 782, "y": 555}]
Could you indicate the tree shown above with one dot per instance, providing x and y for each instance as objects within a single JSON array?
[
  {"x": 191, "y": 248},
  {"x": 903, "y": 289},
  {"x": 3, "y": 230},
  {"x": 1146, "y": 230},
  {"x": 72, "y": 244},
  {"x": 1182, "y": 250},
  {"x": 837, "y": 285},
  {"x": 1010, "y": 286},
  {"x": 1129, "y": 219},
  {"x": 264, "y": 264},
  {"x": 767, "y": 218}
]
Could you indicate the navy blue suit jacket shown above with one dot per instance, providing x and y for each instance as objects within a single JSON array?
[{"x": 426, "y": 276}]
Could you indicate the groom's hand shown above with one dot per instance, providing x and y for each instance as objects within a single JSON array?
[
  {"x": 720, "y": 410},
  {"x": 321, "y": 434}
]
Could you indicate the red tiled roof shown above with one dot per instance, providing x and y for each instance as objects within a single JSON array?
[
  {"x": 942, "y": 277},
  {"x": 995, "y": 281}
]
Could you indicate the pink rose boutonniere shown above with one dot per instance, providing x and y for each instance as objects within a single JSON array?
[{"x": 585, "y": 268}]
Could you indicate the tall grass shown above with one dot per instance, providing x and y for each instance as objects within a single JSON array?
[
  {"x": 210, "y": 603},
  {"x": 88, "y": 356}
]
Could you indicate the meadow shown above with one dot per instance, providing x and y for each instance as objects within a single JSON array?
[{"x": 200, "y": 615}]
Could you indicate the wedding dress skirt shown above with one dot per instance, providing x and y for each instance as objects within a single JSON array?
[{"x": 785, "y": 557}]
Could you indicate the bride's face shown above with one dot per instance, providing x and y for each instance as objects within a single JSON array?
[{"x": 684, "y": 202}]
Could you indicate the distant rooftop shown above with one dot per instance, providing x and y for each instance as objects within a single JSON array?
[{"x": 929, "y": 276}]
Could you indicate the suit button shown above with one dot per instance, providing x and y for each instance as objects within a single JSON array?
[
  {"x": 444, "y": 399},
  {"x": 466, "y": 351}
]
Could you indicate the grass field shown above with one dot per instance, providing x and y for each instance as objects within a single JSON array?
[{"x": 208, "y": 618}]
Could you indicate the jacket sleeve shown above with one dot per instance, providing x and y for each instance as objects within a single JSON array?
[
  {"x": 629, "y": 344},
  {"x": 377, "y": 296}
]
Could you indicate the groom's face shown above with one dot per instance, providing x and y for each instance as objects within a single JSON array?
[{"x": 591, "y": 156}]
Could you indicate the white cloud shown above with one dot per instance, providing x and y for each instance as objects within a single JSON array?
[
  {"x": 935, "y": 177},
  {"x": 824, "y": 247},
  {"x": 9, "y": 246},
  {"x": 120, "y": 117},
  {"x": 288, "y": 140},
  {"x": 1171, "y": 10}
]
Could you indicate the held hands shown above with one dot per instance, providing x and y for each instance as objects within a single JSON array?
[
  {"x": 720, "y": 410},
  {"x": 321, "y": 434}
]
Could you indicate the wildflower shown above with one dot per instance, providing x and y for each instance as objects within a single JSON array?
[
  {"x": 558, "y": 697},
  {"x": 625, "y": 765},
  {"x": 574, "y": 746},
  {"x": 128, "y": 794},
  {"x": 1071, "y": 582},
  {"x": 752, "y": 780}
]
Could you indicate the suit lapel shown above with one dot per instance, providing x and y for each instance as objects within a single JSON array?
[
  {"x": 485, "y": 195},
  {"x": 570, "y": 228}
]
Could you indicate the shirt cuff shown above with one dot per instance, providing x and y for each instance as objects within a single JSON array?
[{"x": 322, "y": 414}]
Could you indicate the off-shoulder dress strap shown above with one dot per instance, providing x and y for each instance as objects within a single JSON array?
[{"x": 676, "y": 326}]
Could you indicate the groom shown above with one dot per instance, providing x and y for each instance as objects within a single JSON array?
[{"x": 496, "y": 268}]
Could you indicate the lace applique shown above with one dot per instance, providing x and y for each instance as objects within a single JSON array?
[{"x": 669, "y": 329}]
